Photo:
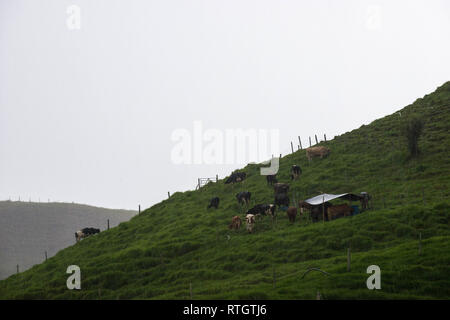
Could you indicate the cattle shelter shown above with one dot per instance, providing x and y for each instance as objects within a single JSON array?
[{"x": 325, "y": 197}]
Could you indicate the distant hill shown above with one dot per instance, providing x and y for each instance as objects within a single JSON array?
[
  {"x": 28, "y": 229},
  {"x": 178, "y": 249}
]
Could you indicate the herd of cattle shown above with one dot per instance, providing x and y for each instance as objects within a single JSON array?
[{"x": 325, "y": 211}]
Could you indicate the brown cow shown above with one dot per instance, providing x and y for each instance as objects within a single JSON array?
[
  {"x": 320, "y": 151},
  {"x": 235, "y": 223},
  {"x": 342, "y": 210},
  {"x": 250, "y": 221},
  {"x": 292, "y": 213}
]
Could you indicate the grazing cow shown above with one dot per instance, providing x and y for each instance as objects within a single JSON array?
[
  {"x": 214, "y": 202},
  {"x": 304, "y": 206},
  {"x": 271, "y": 179},
  {"x": 235, "y": 223},
  {"x": 250, "y": 221},
  {"x": 281, "y": 188},
  {"x": 296, "y": 171},
  {"x": 292, "y": 213},
  {"x": 243, "y": 197},
  {"x": 320, "y": 151},
  {"x": 342, "y": 210},
  {"x": 236, "y": 177},
  {"x": 84, "y": 233},
  {"x": 263, "y": 209},
  {"x": 281, "y": 199},
  {"x": 365, "y": 197}
]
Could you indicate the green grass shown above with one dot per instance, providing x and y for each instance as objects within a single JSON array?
[{"x": 178, "y": 242}]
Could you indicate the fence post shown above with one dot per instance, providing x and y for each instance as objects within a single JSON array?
[
  {"x": 349, "y": 258},
  {"x": 108, "y": 224},
  {"x": 17, "y": 268},
  {"x": 280, "y": 155},
  {"x": 325, "y": 137},
  {"x": 310, "y": 142},
  {"x": 168, "y": 193},
  {"x": 139, "y": 209},
  {"x": 317, "y": 142},
  {"x": 45, "y": 255},
  {"x": 292, "y": 147},
  {"x": 217, "y": 178},
  {"x": 274, "y": 280},
  {"x": 323, "y": 209},
  {"x": 300, "y": 142}
]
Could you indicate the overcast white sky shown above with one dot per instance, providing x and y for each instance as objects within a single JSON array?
[{"x": 87, "y": 115}]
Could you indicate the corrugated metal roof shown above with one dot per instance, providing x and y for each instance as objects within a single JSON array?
[{"x": 314, "y": 201}]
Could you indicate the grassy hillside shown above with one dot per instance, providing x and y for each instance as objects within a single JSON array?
[
  {"x": 178, "y": 243},
  {"x": 29, "y": 229}
]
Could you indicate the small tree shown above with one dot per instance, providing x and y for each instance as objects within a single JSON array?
[{"x": 413, "y": 130}]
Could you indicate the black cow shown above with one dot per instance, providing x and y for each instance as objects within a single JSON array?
[
  {"x": 281, "y": 188},
  {"x": 271, "y": 179},
  {"x": 85, "y": 232},
  {"x": 296, "y": 171},
  {"x": 214, "y": 202},
  {"x": 236, "y": 177},
  {"x": 263, "y": 209},
  {"x": 282, "y": 199},
  {"x": 243, "y": 197},
  {"x": 318, "y": 213}
]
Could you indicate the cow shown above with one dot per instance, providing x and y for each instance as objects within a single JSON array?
[
  {"x": 243, "y": 197},
  {"x": 365, "y": 197},
  {"x": 263, "y": 210},
  {"x": 319, "y": 212},
  {"x": 281, "y": 188},
  {"x": 281, "y": 199},
  {"x": 271, "y": 179},
  {"x": 236, "y": 177},
  {"x": 214, "y": 202},
  {"x": 296, "y": 171},
  {"x": 85, "y": 232},
  {"x": 342, "y": 210},
  {"x": 320, "y": 151},
  {"x": 235, "y": 223},
  {"x": 304, "y": 206},
  {"x": 291, "y": 213},
  {"x": 250, "y": 222}
]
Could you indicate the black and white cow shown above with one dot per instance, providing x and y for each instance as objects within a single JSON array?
[
  {"x": 296, "y": 171},
  {"x": 236, "y": 177},
  {"x": 214, "y": 202},
  {"x": 263, "y": 210},
  {"x": 85, "y": 232},
  {"x": 243, "y": 197}
]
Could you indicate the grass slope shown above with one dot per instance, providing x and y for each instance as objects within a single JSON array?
[{"x": 178, "y": 242}]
